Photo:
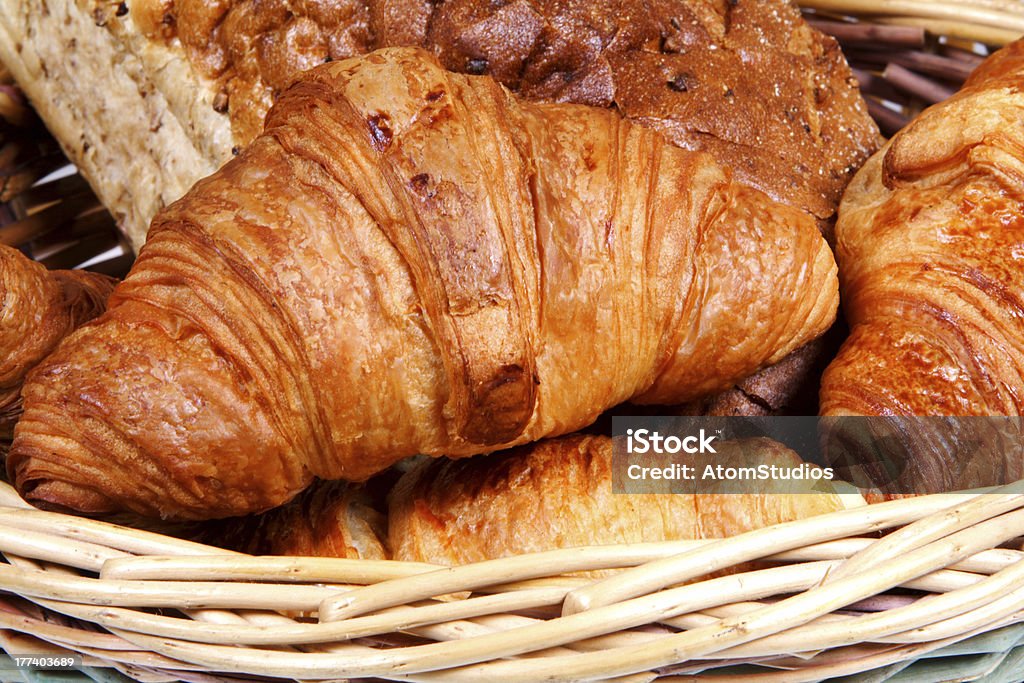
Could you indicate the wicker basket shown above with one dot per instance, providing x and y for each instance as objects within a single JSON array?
[
  {"x": 832, "y": 599},
  {"x": 921, "y": 589}
]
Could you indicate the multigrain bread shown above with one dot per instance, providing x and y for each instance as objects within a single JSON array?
[
  {"x": 148, "y": 96},
  {"x": 97, "y": 100}
]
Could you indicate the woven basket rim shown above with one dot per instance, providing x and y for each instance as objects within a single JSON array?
[{"x": 836, "y": 591}]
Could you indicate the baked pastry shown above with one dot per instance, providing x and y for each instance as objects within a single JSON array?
[
  {"x": 329, "y": 519},
  {"x": 148, "y": 96},
  {"x": 38, "y": 308},
  {"x": 412, "y": 261},
  {"x": 749, "y": 82},
  {"x": 559, "y": 494},
  {"x": 929, "y": 243}
]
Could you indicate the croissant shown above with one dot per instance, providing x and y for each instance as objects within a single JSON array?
[
  {"x": 38, "y": 308},
  {"x": 558, "y": 494},
  {"x": 411, "y": 261},
  {"x": 329, "y": 519},
  {"x": 930, "y": 241}
]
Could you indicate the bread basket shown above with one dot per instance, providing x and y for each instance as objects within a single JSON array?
[{"x": 920, "y": 589}]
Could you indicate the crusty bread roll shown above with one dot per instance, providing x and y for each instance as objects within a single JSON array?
[{"x": 558, "y": 494}]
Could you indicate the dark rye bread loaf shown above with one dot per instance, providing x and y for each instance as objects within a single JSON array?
[{"x": 748, "y": 81}]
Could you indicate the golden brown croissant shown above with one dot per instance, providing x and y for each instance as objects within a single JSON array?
[
  {"x": 38, "y": 308},
  {"x": 411, "y": 261},
  {"x": 750, "y": 83},
  {"x": 329, "y": 519},
  {"x": 558, "y": 494},
  {"x": 930, "y": 243}
]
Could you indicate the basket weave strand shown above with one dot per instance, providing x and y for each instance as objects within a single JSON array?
[{"x": 995, "y": 22}]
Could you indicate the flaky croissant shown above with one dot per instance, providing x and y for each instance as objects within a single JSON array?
[
  {"x": 930, "y": 243},
  {"x": 38, "y": 308},
  {"x": 411, "y": 261},
  {"x": 329, "y": 519},
  {"x": 558, "y": 494}
]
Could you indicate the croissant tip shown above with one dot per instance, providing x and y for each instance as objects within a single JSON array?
[{"x": 61, "y": 496}]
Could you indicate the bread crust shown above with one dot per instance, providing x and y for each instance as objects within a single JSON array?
[{"x": 559, "y": 494}]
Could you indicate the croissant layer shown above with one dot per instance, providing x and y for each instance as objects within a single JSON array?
[
  {"x": 929, "y": 241},
  {"x": 38, "y": 308},
  {"x": 329, "y": 519},
  {"x": 411, "y": 261}
]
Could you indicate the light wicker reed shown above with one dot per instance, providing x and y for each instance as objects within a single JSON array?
[
  {"x": 830, "y": 596},
  {"x": 812, "y": 599},
  {"x": 995, "y": 22}
]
